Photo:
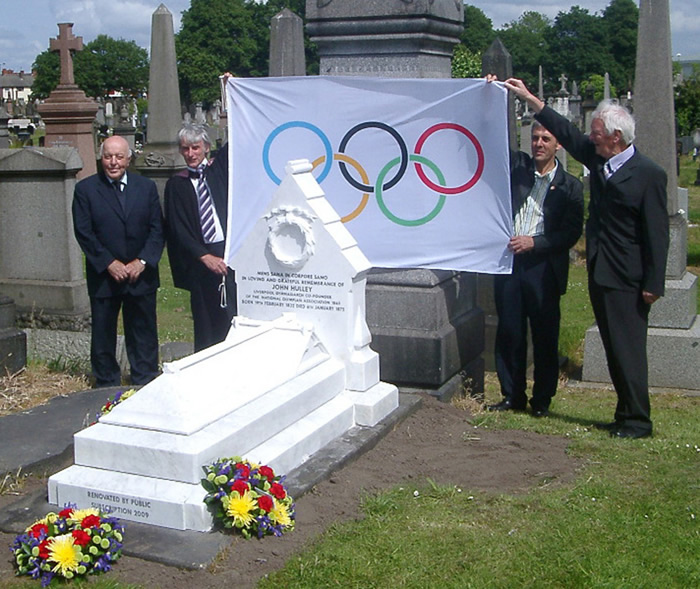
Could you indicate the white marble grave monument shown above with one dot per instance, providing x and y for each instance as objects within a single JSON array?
[{"x": 294, "y": 373}]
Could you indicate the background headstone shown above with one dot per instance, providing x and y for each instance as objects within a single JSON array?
[{"x": 287, "y": 45}]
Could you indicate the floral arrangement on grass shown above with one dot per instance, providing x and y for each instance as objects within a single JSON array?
[
  {"x": 112, "y": 403},
  {"x": 248, "y": 498},
  {"x": 72, "y": 543}
]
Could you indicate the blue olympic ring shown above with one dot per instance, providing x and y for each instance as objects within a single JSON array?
[{"x": 304, "y": 125}]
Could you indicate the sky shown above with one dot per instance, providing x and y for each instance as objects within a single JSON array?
[{"x": 27, "y": 25}]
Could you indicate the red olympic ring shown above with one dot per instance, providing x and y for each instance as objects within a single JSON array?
[{"x": 479, "y": 154}]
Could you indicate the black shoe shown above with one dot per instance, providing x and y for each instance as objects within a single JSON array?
[
  {"x": 540, "y": 412},
  {"x": 628, "y": 432},
  {"x": 506, "y": 405},
  {"x": 608, "y": 427}
]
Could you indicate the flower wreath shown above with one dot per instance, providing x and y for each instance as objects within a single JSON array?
[
  {"x": 248, "y": 498},
  {"x": 72, "y": 543},
  {"x": 112, "y": 403}
]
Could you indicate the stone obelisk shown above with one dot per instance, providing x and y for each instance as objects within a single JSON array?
[
  {"x": 161, "y": 157},
  {"x": 68, "y": 113}
]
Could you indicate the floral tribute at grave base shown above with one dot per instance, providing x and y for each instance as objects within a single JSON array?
[
  {"x": 248, "y": 498},
  {"x": 112, "y": 403},
  {"x": 68, "y": 545}
]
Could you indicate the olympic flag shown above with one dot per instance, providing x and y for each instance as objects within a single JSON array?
[{"x": 417, "y": 169}]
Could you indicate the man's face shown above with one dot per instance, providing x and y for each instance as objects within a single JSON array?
[
  {"x": 194, "y": 153},
  {"x": 544, "y": 146},
  {"x": 115, "y": 157},
  {"x": 605, "y": 145}
]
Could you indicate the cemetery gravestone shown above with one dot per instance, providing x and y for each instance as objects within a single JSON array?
[{"x": 291, "y": 377}]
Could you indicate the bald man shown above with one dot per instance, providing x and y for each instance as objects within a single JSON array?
[{"x": 117, "y": 221}]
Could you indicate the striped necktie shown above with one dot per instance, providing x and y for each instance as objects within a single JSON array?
[{"x": 206, "y": 207}]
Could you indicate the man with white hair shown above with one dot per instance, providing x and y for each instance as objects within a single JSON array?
[
  {"x": 627, "y": 237},
  {"x": 196, "y": 212}
]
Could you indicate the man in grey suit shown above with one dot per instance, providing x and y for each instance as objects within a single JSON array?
[
  {"x": 117, "y": 222},
  {"x": 627, "y": 237}
]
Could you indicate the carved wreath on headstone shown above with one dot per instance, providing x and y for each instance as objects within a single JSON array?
[
  {"x": 290, "y": 239},
  {"x": 154, "y": 159}
]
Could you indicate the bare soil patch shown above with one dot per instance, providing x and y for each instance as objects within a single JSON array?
[{"x": 438, "y": 442}]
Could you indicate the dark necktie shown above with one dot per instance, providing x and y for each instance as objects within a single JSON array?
[
  {"x": 206, "y": 206},
  {"x": 121, "y": 197}
]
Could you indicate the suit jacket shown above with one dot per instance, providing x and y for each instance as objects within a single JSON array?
[
  {"x": 627, "y": 232},
  {"x": 182, "y": 224},
  {"x": 106, "y": 232},
  {"x": 562, "y": 209}
]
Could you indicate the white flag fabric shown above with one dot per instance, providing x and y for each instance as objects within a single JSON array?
[{"x": 417, "y": 169}]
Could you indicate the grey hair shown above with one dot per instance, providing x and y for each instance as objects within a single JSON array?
[
  {"x": 616, "y": 117},
  {"x": 193, "y": 133}
]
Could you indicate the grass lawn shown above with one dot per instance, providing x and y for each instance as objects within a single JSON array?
[{"x": 630, "y": 519}]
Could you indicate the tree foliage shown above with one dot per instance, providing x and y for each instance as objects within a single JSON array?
[
  {"x": 576, "y": 43},
  {"x": 103, "y": 66},
  {"x": 226, "y": 35},
  {"x": 465, "y": 63},
  {"x": 687, "y": 102},
  {"x": 478, "y": 31},
  {"x": 527, "y": 40}
]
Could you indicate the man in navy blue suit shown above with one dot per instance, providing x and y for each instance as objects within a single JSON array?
[{"x": 117, "y": 221}]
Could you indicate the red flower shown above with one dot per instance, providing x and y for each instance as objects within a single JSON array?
[
  {"x": 267, "y": 472},
  {"x": 81, "y": 538},
  {"x": 44, "y": 549},
  {"x": 278, "y": 491},
  {"x": 65, "y": 512},
  {"x": 90, "y": 521},
  {"x": 265, "y": 502},
  {"x": 243, "y": 470},
  {"x": 37, "y": 529},
  {"x": 240, "y": 486}
]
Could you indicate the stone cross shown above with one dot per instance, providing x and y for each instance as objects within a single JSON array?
[
  {"x": 63, "y": 44},
  {"x": 563, "y": 79}
]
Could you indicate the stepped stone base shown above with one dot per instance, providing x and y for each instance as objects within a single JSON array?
[{"x": 674, "y": 357}]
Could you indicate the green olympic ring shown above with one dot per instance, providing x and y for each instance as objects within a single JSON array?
[{"x": 407, "y": 222}]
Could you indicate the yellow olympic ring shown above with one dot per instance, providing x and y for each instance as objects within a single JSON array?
[{"x": 360, "y": 170}]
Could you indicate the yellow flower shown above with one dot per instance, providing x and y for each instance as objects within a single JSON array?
[
  {"x": 64, "y": 552},
  {"x": 79, "y": 515},
  {"x": 281, "y": 514},
  {"x": 239, "y": 508}
]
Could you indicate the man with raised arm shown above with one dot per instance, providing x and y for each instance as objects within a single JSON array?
[{"x": 627, "y": 237}]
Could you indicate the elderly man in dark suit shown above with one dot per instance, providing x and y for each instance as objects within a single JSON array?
[
  {"x": 117, "y": 222},
  {"x": 627, "y": 237},
  {"x": 548, "y": 220},
  {"x": 196, "y": 212}
]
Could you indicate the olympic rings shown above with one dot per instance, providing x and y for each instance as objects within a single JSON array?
[
  {"x": 479, "y": 154},
  {"x": 380, "y": 186},
  {"x": 423, "y": 220},
  {"x": 402, "y": 148}
]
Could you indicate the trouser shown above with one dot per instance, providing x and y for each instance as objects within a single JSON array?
[
  {"x": 140, "y": 335},
  {"x": 530, "y": 293}
]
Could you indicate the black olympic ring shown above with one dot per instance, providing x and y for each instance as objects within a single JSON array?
[{"x": 402, "y": 146}]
